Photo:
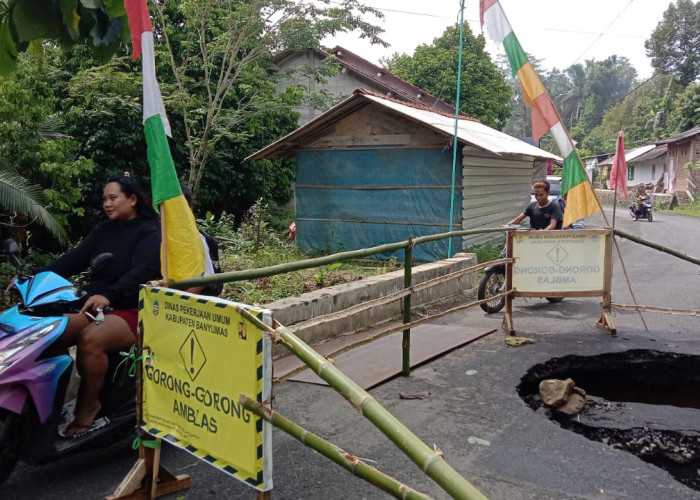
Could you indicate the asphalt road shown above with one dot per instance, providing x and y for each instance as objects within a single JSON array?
[{"x": 519, "y": 454}]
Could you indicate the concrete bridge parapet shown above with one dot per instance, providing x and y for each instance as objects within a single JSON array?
[{"x": 298, "y": 313}]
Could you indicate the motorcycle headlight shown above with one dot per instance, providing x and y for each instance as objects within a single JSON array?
[{"x": 22, "y": 343}]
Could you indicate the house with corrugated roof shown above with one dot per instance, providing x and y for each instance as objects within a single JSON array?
[
  {"x": 374, "y": 170},
  {"x": 645, "y": 165},
  {"x": 355, "y": 72},
  {"x": 683, "y": 152}
]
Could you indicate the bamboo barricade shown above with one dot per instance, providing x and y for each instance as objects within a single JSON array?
[
  {"x": 407, "y": 245},
  {"x": 369, "y": 304},
  {"x": 429, "y": 460},
  {"x": 656, "y": 246},
  {"x": 665, "y": 310},
  {"x": 341, "y": 457},
  {"x": 407, "y": 280},
  {"x": 395, "y": 296},
  {"x": 287, "y": 267}
]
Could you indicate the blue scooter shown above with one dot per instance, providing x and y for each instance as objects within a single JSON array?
[{"x": 35, "y": 376}]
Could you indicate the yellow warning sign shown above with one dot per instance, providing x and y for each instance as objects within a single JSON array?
[{"x": 201, "y": 355}]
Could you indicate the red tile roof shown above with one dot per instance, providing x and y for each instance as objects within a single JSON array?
[
  {"x": 393, "y": 84},
  {"x": 374, "y": 75}
]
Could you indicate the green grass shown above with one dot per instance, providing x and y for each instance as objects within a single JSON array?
[
  {"x": 488, "y": 251},
  {"x": 693, "y": 209},
  {"x": 268, "y": 289}
]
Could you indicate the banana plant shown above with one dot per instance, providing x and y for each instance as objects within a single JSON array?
[{"x": 26, "y": 24}]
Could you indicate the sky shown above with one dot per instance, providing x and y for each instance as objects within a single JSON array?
[{"x": 557, "y": 32}]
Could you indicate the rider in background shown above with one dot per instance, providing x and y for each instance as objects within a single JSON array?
[
  {"x": 544, "y": 213},
  {"x": 132, "y": 235}
]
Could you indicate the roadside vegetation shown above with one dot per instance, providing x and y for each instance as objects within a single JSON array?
[
  {"x": 262, "y": 240},
  {"x": 692, "y": 210},
  {"x": 259, "y": 240},
  {"x": 71, "y": 118}
]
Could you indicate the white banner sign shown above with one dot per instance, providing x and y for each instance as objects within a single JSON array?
[{"x": 558, "y": 261}]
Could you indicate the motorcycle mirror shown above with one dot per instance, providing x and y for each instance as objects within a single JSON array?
[
  {"x": 99, "y": 262},
  {"x": 11, "y": 248}
]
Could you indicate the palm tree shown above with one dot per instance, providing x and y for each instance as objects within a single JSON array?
[
  {"x": 573, "y": 100},
  {"x": 19, "y": 197}
]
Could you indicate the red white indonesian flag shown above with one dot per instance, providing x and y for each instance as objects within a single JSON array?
[{"x": 182, "y": 249}]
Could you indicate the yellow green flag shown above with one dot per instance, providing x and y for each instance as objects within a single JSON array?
[{"x": 182, "y": 253}]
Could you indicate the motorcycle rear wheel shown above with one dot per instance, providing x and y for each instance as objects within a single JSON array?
[
  {"x": 8, "y": 443},
  {"x": 492, "y": 283},
  {"x": 649, "y": 216}
]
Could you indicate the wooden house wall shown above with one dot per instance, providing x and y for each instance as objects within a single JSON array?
[
  {"x": 373, "y": 128},
  {"x": 373, "y": 178},
  {"x": 336, "y": 184},
  {"x": 679, "y": 154}
]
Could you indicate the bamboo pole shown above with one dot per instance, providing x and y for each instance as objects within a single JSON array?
[
  {"x": 341, "y": 457},
  {"x": 428, "y": 459},
  {"x": 605, "y": 218},
  {"x": 163, "y": 245},
  {"x": 387, "y": 331},
  {"x": 656, "y": 246},
  {"x": 666, "y": 310},
  {"x": 287, "y": 267},
  {"x": 406, "y": 340},
  {"x": 386, "y": 299}
]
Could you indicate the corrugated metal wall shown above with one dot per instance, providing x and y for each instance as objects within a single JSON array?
[
  {"x": 496, "y": 189},
  {"x": 346, "y": 200}
]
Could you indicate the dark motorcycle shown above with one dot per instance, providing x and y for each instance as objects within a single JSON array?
[
  {"x": 493, "y": 282},
  {"x": 641, "y": 208},
  {"x": 35, "y": 378}
]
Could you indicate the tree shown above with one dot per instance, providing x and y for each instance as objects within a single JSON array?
[
  {"x": 642, "y": 115},
  {"x": 607, "y": 83},
  {"x": 484, "y": 93},
  {"x": 572, "y": 99},
  {"x": 686, "y": 113},
  {"x": 35, "y": 150},
  {"x": 219, "y": 55},
  {"x": 19, "y": 196},
  {"x": 25, "y": 24},
  {"x": 674, "y": 46},
  {"x": 213, "y": 60}
]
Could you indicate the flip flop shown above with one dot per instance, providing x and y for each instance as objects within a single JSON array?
[{"x": 85, "y": 429}]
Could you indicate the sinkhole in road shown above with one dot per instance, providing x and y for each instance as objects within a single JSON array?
[{"x": 642, "y": 401}]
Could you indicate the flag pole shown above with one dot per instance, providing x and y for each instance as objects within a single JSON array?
[
  {"x": 163, "y": 244},
  {"x": 455, "y": 142},
  {"x": 580, "y": 162},
  {"x": 617, "y": 245},
  {"x": 614, "y": 197}
]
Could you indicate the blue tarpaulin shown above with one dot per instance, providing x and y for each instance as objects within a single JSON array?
[{"x": 347, "y": 200}]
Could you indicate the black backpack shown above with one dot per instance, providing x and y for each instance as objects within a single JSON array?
[
  {"x": 215, "y": 289},
  {"x": 562, "y": 205}
]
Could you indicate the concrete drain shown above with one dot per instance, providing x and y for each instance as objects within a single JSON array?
[{"x": 641, "y": 401}]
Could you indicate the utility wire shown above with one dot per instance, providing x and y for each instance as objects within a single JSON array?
[{"x": 603, "y": 32}]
